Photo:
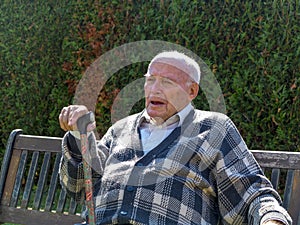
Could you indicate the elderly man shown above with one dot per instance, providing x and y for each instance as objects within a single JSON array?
[{"x": 171, "y": 163}]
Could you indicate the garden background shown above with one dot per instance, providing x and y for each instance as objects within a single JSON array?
[{"x": 252, "y": 48}]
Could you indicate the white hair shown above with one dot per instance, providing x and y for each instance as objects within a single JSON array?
[{"x": 180, "y": 61}]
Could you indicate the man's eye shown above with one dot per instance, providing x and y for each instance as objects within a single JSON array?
[
  {"x": 167, "y": 82},
  {"x": 150, "y": 80}
]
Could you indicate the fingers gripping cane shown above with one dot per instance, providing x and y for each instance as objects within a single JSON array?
[{"x": 82, "y": 124}]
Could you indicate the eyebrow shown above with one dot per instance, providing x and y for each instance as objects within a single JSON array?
[{"x": 163, "y": 78}]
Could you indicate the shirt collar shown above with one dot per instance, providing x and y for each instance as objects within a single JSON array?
[{"x": 178, "y": 117}]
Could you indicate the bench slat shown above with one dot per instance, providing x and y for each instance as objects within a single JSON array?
[
  {"x": 275, "y": 178},
  {"x": 295, "y": 197},
  {"x": 288, "y": 189},
  {"x": 7, "y": 158},
  {"x": 42, "y": 179},
  {"x": 61, "y": 200},
  {"x": 53, "y": 183},
  {"x": 19, "y": 177},
  {"x": 277, "y": 159},
  {"x": 30, "y": 179},
  {"x": 73, "y": 206},
  {"x": 34, "y": 217},
  {"x": 12, "y": 173},
  {"x": 38, "y": 143}
]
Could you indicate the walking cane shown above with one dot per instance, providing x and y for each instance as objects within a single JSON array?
[{"x": 82, "y": 124}]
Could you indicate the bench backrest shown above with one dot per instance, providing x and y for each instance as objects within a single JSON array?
[
  {"x": 29, "y": 180},
  {"x": 31, "y": 194}
]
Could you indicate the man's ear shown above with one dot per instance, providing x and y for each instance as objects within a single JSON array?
[{"x": 193, "y": 90}]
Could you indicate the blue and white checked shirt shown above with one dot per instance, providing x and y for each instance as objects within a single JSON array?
[{"x": 201, "y": 173}]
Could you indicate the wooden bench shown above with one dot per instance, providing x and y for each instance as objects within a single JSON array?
[
  {"x": 29, "y": 183},
  {"x": 31, "y": 194}
]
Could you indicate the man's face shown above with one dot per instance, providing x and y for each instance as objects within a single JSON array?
[{"x": 167, "y": 90}]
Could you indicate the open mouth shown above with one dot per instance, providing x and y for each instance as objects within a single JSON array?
[{"x": 157, "y": 103}]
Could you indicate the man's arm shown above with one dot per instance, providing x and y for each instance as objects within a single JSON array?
[
  {"x": 71, "y": 168},
  {"x": 265, "y": 209},
  {"x": 242, "y": 183}
]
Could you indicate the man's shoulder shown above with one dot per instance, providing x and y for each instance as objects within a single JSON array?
[
  {"x": 210, "y": 116},
  {"x": 128, "y": 120}
]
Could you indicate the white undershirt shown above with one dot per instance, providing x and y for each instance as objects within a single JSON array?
[{"x": 152, "y": 135}]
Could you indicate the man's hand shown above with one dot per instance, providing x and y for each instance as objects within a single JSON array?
[{"x": 69, "y": 115}]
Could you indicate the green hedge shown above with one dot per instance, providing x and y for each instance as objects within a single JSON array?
[
  {"x": 33, "y": 83},
  {"x": 253, "y": 48}
]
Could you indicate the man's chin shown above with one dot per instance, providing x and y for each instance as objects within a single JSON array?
[{"x": 155, "y": 114}]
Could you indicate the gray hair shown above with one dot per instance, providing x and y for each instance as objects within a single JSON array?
[{"x": 180, "y": 61}]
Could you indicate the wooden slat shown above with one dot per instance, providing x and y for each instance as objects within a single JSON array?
[
  {"x": 295, "y": 198},
  {"x": 73, "y": 206},
  {"x": 42, "y": 179},
  {"x": 277, "y": 159},
  {"x": 288, "y": 189},
  {"x": 29, "y": 180},
  {"x": 275, "y": 178},
  {"x": 11, "y": 177},
  {"x": 61, "y": 201},
  {"x": 38, "y": 143},
  {"x": 7, "y": 158},
  {"x": 19, "y": 177},
  {"x": 53, "y": 183},
  {"x": 34, "y": 217}
]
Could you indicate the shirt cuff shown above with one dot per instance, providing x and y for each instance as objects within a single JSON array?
[
  {"x": 274, "y": 216},
  {"x": 265, "y": 208}
]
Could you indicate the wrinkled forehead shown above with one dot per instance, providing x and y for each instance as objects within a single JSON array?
[
  {"x": 183, "y": 64},
  {"x": 168, "y": 71}
]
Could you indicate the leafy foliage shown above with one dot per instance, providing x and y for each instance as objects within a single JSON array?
[
  {"x": 253, "y": 48},
  {"x": 33, "y": 83}
]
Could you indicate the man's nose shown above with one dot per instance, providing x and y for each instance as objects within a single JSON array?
[{"x": 156, "y": 86}]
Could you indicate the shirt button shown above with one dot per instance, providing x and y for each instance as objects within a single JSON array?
[
  {"x": 123, "y": 213},
  {"x": 139, "y": 164},
  {"x": 130, "y": 188}
]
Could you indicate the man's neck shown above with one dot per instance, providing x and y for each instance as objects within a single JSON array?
[{"x": 157, "y": 121}]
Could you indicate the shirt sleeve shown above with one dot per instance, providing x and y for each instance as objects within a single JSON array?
[
  {"x": 265, "y": 208},
  {"x": 71, "y": 166},
  {"x": 245, "y": 195}
]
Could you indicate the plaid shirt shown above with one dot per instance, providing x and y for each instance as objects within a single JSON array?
[{"x": 202, "y": 173}]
